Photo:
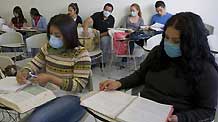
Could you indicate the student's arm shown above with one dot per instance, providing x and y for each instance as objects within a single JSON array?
[
  {"x": 88, "y": 21},
  {"x": 38, "y": 62},
  {"x": 152, "y": 20},
  {"x": 32, "y": 22},
  {"x": 25, "y": 24},
  {"x": 34, "y": 66},
  {"x": 141, "y": 22},
  {"x": 43, "y": 27},
  {"x": 205, "y": 99},
  {"x": 138, "y": 77}
]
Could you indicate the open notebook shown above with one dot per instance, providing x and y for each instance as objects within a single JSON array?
[
  {"x": 157, "y": 27},
  {"x": 123, "y": 107}
]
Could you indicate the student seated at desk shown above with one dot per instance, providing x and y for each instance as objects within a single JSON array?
[
  {"x": 73, "y": 11},
  {"x": 134, "y": 21},
  {"x": 102, "y": 21},
  {"x": 18, "y": 21},
  {"x": 38, "y": 21},
  {"x": 181, "y": 71},
  {"x": 66, "y": 64},
  {"x": 162, "y": 16}
]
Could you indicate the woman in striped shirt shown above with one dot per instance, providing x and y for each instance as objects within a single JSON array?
[{"x": 66, "y": 64}]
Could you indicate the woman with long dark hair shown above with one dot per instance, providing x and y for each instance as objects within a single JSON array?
[
  {"x": 66, "y": 64},
  {"x": 181, "y": 71},
  {"x": 18, "y": 21}
]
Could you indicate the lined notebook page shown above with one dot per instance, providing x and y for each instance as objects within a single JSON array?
[
  {"x": 144, "y": 110},
  {"x": 108, "y": 103}
]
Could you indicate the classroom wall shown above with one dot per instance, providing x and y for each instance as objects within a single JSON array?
[{"x": 48, "y": 8}]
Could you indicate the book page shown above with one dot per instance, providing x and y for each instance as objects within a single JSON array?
[
  {"x": 26, "y": 99},
  {"x": 157, "y": 27},
  {"x": 144, "y": 110},
  {"x": 108, "y": 103},
  {"x": 9, "y": 84}
]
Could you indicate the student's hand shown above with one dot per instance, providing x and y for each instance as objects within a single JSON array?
[
  {"x": 173, "y": 118},
  {"x": 22, "y": 75},
  {"x": 85, "y": 33},
  {"x": 109, "y": 85},
  {"x": 42, "y": 79},
  {"x": 147, "y": 28}
]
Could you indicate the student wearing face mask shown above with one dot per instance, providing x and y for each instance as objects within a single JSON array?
[
  {"x": 102, "y": 21},
  {"x": 133, "y": 21},
  {"x": 181, "y": 71},
  {"x": 73, "y": 11},
  {"x": 162, "y": 15},
  {"x": 18, "y": 21},
  {"x": 66, "y": 64}
]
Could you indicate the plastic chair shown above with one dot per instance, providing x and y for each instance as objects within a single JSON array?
[
  {"x": 33, "y": 43},
  {"x": 11, "y": 38},
  {"x": 152, "y": 42},
  {"x": 210, "y": 28},
  {"x": 119, "y": 42},
  {"x": 213, "y": 43},
  {"x": 92, "y": 44},
  {"x": 5, "y": 61}
]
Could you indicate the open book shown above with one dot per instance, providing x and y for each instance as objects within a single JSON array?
[
  {"x": 26, "y": 98},
  {"x": 9, "y": 84},
  {"x": 157, "y": 27},
  {"x": 122, "y": 107}
]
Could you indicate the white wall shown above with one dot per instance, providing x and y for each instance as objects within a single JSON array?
[{"x": 48, "y": 8}]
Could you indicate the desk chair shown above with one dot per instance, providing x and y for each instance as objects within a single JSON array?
[
  {"x": 5, "y": 61},
  {"x": 213, "y": 43},
  {"x": 11, "y": 38},
  {"x": 152, "y": 42},
  {"x": 120, "y": 46},
  {"x": 33, "y": 43},
  {"x": 210, "y": 29},
  {"x": 92, "y": 44}
]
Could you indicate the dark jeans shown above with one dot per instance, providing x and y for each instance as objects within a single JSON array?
[{"x": 62, "y": 109}]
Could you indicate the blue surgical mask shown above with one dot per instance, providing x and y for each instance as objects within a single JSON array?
[
  {"x": 133, "y": 13},
  {"x": 106, "y": 13},
  {"x": 172, "y": 50},
  {"x": 55, "y": 42}
]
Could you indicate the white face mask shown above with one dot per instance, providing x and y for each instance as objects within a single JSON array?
[
  {"x": 133, "y": 13},
  {"x": 106, "y": 13}
]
